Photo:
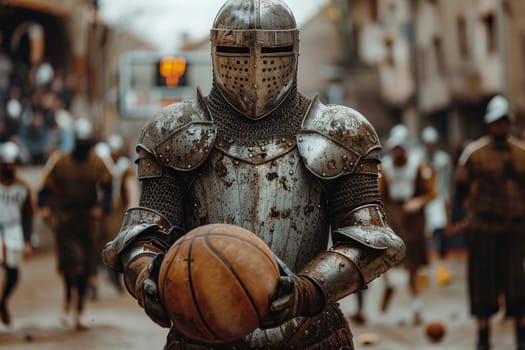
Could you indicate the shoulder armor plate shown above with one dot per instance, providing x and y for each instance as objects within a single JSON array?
[
  {"x": 337, "y": 140},
  {"x": 181, "y": 135}
]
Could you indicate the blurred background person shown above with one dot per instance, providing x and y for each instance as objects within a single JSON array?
[
  {"x": 437, "y": 210},
  {"x": 13, "y": 113},
  {"x": 125, "y": 184},
  {"x": 75, "y": 194},
  {"x": 16, "y": 223},
  {"x": 6, "y": 68},
  {"x": 359, "y": 316},
  {"x": 455, "y": 230},
  {"x": 406, "y": 186},
  {"x": 65, "y": 132},
  {"x": 493, "y": 172},
  {"x": 125, "y": 194},
  {"x": 37, "y": 138}
]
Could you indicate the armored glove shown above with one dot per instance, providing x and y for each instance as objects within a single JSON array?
[
  {"x": 297, "y": 295},
  {"x": 147, "y": 292}
]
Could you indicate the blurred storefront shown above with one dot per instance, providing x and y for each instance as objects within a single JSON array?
[
  {"x": 82, "y": 52},
  {"x": 419, "y": 62}
]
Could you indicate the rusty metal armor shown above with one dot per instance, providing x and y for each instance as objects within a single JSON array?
[
  {"x": 254, "y": 53},
  {"x": 288, "y": 170}
]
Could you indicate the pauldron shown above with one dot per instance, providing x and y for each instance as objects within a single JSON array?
[
  {"x": 180, "y": 136},
  {"x": 337, "y": 140}
]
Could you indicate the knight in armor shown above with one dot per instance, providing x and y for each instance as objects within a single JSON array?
[
  {"x": 74, "y": 195},
  {"x": 492, "y": 171},
  {"x": 258, "y": 154},
  {"x": 16, "y": 221}
]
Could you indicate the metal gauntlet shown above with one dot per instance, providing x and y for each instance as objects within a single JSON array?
[{"x": 362, "y": 251}]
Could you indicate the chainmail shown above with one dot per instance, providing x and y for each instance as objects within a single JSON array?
[
  {"x": 285, "y": 121},
  {"x": 353, "y": 191},
  {"x": 165, "y": 194}
]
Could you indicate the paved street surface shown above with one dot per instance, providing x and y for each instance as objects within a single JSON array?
[
  {"x": 116, "y": 322},
  {"x": 445, "y": 304}
]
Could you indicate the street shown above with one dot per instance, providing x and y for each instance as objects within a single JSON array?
[{"x": 116, "y": 321}]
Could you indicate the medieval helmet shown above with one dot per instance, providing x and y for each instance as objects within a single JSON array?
[
  {"x": 103, "y": 150},
  {"x": 497, "y": 108},
  {"x": 254, "y": 54},
  {"x": 9, "y": 152},
  {"x": 83, "y": 129},
  {"x": 398, "y": 137},
  {"x": 429, "y": 135},
  {"x": 115, "y": 142}
]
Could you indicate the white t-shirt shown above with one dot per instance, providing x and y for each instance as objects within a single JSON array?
[{"x": 12, "y": 199}]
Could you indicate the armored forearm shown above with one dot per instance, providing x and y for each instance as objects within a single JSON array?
[
  {"x": 143, "y": 232},
  {"x": 362, "y": 251}
]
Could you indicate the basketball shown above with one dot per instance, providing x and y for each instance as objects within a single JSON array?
[
  {"x": 435, "y": 331},
  {"x": 216, "y": 282}
]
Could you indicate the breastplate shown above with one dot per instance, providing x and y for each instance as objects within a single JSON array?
[{"x": 279, "y": 200}]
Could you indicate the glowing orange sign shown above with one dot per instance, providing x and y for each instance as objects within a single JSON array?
[{"x": 172, "y": 68}]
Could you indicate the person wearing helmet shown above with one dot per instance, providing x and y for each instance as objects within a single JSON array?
[
  {"x": 125, "y": 192},
  {"x": 74, "y": 195},
  {"x": 437, "y": 211},
  {"x": 252, "y": 141},
  {"x": 16, "y": 220},
  {"x": 125, "y": 186},
  {"x": 492, "y": 169},
  {"x": 407, "y": 185}
]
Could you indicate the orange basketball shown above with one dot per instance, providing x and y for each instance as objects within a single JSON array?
[
  {"x": 216, "y": 282},
  {"x": 435, "y": 331}
]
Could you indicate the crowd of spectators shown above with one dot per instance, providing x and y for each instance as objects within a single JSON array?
[{"x": 35, "y": 106}]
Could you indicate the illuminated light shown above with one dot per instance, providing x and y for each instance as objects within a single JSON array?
[{"x": 172, "y": 68}]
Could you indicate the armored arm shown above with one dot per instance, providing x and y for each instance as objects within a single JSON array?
[
  {"x": 146, "y": 234},
  {"x": 170, "y": 147},
  {"x": 364, "y": 248},
  {"x": 341, "y": 148}
]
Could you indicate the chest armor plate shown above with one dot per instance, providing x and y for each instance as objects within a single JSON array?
[{"x": 278, "y": 200}]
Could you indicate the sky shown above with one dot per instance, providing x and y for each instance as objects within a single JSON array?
[{"x": 163, "y": 22}]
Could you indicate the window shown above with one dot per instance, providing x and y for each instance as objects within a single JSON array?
[
  {"x": 491, "y": 33},
  {"x": 438, "y": 52},
  {"x": 374, "y": 10},
  {"x": 389, "y": 45},
  {"x": 462, "y": 37}
]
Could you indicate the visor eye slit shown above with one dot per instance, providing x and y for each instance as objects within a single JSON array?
[
  {"x": 233, "y": 50},
  {"x": 278, "y": 49}
]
